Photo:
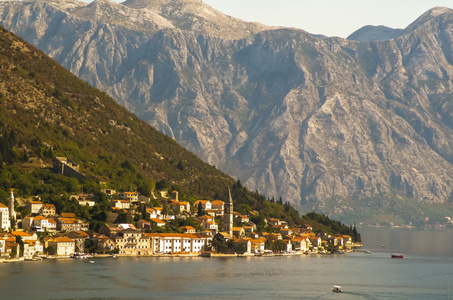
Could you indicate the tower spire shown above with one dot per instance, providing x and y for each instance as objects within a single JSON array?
[
  {"x": 228, "y": 215},
  {"x": 12, "y": 212}
]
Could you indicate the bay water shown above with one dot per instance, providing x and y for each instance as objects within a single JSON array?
[{"x": 421, "y": 275}]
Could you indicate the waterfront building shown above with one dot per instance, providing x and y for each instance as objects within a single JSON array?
[
  {"x": 242, "y": 246},
  {"x": 168, "y": 243},
  {"x": 132, "y": 242},
  {"x": 62, "y": 246},
  {"x": 30, "y": 242},
  {"x": 79, "y": 237}
]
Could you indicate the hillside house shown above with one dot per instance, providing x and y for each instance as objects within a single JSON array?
[
  {"x": 34, "y": 206},
  {"x": 131, "y": 196},
  {"x": 154, "y": 213},
  {"x": 205, "y": 204},
  {"x": 239, "y": 232},
  {"x": 143, "y": 224},
  {"x": 179, "y": 206},
  {"x": 48, "y": 210},
  {"x": 71, "y": 224},
  {"x": 39, "y": 224},
  {"x": 188, "y": 229},
  {"x": 157, "y": 222},
  {"x": 121, "y": 204}
]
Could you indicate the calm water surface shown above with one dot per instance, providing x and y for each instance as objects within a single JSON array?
[{"x": 422, "y": 275}]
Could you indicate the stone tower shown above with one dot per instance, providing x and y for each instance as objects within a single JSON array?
[
  {"x": 12, "y": 212},
  {"x": 228, "y": 215}
]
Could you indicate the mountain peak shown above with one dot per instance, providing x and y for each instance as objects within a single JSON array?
[
  {"x": 197, "y": 16},
  {"x": 428, "y": 16},
  {"x": 371, "y": 33}
]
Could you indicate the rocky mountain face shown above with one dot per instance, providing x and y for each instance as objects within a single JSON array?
[{"x": 350, "y": 128}]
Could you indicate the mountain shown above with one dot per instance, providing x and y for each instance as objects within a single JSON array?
[
  {"x": 358, "y": 130},
  {"x": 374, "y": 33}
]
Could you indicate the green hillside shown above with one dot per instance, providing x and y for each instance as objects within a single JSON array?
[{"x": 45, "y": 111}]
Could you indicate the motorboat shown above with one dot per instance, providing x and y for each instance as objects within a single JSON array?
[
  {"x": 397, "y": 255},
  {"x": 336, "y": 289},
  {"x": 79, "y": 255}
]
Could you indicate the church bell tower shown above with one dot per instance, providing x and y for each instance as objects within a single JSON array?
[
  {"x": 12, "y": 212},
  {"x": 228, "y": 215}
]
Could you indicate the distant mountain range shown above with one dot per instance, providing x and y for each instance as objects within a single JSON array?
[{"x": 353, "y": 129}]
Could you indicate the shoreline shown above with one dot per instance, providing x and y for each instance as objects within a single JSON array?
[{"x": 204, "y": 255}]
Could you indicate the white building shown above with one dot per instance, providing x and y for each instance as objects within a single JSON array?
[
  {"x": 131, "y": 196},
  {"x": 132, "y": 242},
  {"x": 62, "y": 246},
  {"x": 166, "y": 243},
  {"x": 5, "y": 223},
  {"x": 205, "y": 204},
  {"x": 40, "y": 224}
]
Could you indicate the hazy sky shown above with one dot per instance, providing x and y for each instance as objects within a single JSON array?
[{"x": 328, "y": 17}]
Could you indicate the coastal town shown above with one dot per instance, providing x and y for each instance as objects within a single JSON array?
[{"x": 41, "y": 231}]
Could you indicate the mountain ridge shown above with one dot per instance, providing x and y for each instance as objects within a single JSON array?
[{"x": 327, "y": 123}]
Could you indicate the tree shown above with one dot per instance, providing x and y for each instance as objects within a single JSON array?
[
  {"x": 200, "y": 209},
  {"x": 165, "y": 211},
  {"x": 279, "y": 246}
]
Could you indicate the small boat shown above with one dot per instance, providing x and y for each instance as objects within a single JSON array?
[
  {"x": 336, "y": 289},
  {"x": 79, "y": 255},
  {"x": 368, "y": 252},
  {"x": 91, "y": 261},
  {"x": 397, "y": 255}
]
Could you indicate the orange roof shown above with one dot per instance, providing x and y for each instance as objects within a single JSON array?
[
  {"x": 202, "y": 201},
  {"x": 61, "y": 240},
  {"x": 158, "y": 221},
  {"x": 35, "y": 202},
  {"x": 217, "y": 202},
  {"x": 3, "y": 205},
  {"x": 68, "y": 215},
  {"x": 20, "y": 233},
  {"x": 172, "y": 235},
  {"x": 187, "y": 227},
  {"x": 48, "y": 206},
  {"x": 154, "y": 208}
]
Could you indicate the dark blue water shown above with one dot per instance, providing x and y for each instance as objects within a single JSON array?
[{"x": 362, "y": 276}]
